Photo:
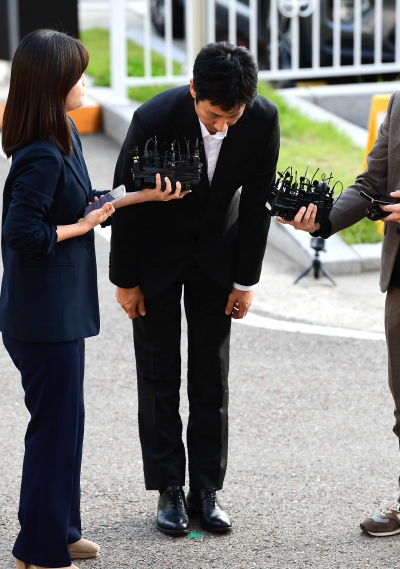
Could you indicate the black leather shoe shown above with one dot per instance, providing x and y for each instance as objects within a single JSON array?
[
  {"x": 172, "y": 517},
  {"x": 204, "y": 503}
]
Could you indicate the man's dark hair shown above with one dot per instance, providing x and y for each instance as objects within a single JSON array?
[
  {"x": 226, "y": 75},
  {"x": 46, "y": 65}
]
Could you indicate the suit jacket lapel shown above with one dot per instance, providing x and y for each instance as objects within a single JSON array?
[
  {"x": 228, "y": 157},
  {"x": 186, "y": 123},
  {"x": 78, "y": 167},
  {"x": 80, "y": 158}
]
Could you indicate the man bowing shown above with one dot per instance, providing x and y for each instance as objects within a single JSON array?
[{"x": 210, "y": 245}]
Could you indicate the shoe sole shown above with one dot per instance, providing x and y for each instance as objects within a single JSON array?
[
  {"x": 83, "y": 555},
  {"x": 173, "y": 531},
  {"x": 192, "y": 513},
  {"x": 380, "y": 534},
  {"x": 215, "y": 530}
]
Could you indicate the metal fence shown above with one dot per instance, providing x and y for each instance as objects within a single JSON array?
[{"x": 292, "y": 39}]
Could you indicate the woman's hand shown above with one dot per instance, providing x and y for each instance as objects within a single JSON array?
[
  {"x": 97, "y": 216},
  {"x": 85, "y": 224},
  {"x": 394, "y": 209},
  {"x": 304, "y": 219},
  {"x": 158, "y": 194},
  {"x": 151, "y": 195}
]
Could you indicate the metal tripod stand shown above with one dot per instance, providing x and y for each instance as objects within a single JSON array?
[{"x": 318, "y": 244}]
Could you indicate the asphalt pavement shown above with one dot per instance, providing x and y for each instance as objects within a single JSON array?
[{"x": 311, "y": 448}]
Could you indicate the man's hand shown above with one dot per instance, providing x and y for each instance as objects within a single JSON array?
[
  {"x": 395, "y": 209},
  {"x": 304, "y": 219},
  {"x": 239, "y": 302},
  {"x": 131, "y": 300}
]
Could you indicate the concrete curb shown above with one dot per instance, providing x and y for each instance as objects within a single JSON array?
[
  {"x": 349, "y": 102},
  {"x": 116, "y": 113},
  {"x": 339, "y": 257}
]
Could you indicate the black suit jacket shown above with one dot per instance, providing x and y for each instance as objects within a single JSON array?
[
  {"x": 223, "y": 230},
  {"x": 49, "y": 289}
]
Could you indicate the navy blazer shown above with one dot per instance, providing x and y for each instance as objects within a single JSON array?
[{"x": 49, "y": 289}]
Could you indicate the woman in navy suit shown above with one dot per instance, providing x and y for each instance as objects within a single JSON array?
[{"x": 48, "y": 301}]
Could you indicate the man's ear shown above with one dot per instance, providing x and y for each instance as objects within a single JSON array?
[{"x": 192, "y": 89}]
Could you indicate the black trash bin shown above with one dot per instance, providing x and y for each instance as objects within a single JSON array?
[{"x": 20, "y": 17}]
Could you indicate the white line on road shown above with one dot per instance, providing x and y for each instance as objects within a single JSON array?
[
  {"x": 257, "y": 321},
  {"x": 104, "y": 232}
]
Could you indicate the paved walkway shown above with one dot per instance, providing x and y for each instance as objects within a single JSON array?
[{"x": 311, "y": 448}]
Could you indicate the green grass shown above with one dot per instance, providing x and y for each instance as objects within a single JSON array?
[
  {"x": 302, "y": 140},
  {"x": 365, "y": 231},
  {"x": 97, "y": 41}
]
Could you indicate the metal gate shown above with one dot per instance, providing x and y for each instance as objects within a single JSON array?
[{"x": 292, "y": 39}]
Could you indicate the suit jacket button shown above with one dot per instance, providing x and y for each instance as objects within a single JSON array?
[
  {"x": 89, "y": 245},
  {"x": 398, "y": 230}
]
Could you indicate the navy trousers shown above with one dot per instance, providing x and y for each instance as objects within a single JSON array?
[{"x": 49, "y": 511}]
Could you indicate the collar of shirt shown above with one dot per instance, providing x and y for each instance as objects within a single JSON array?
[
  {"x": 205, "y": 133},
  {"x": 212, "y": 146}
]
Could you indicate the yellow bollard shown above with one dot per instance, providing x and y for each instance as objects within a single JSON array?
[{"x": 376, "y": 116}]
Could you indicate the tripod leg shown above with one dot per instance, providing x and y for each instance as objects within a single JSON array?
[
  {"x": 303, "y": 274},
  {"x": 327, "y": 274},
  {"x": 317, "y": 266}
]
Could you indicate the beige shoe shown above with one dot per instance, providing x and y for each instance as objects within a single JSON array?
[
  {"x": 22, "y": 565},
  {"x": 83, "y": 549}
]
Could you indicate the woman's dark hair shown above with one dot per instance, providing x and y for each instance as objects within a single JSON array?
[
  {"x": 226, "y": 75},
  {"x": 46, "y": 65}
]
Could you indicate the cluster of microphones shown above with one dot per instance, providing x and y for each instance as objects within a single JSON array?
[
  {"x": 290, "y": 193},
  {"x": 182, "y": 167}
]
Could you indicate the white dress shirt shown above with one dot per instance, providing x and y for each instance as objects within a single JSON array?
[{"x": 212, "y": 146}]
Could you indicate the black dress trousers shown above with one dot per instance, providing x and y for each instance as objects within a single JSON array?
[
  {"x": 157, "y": 337},
  {"x": 49, "y": 511}
]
